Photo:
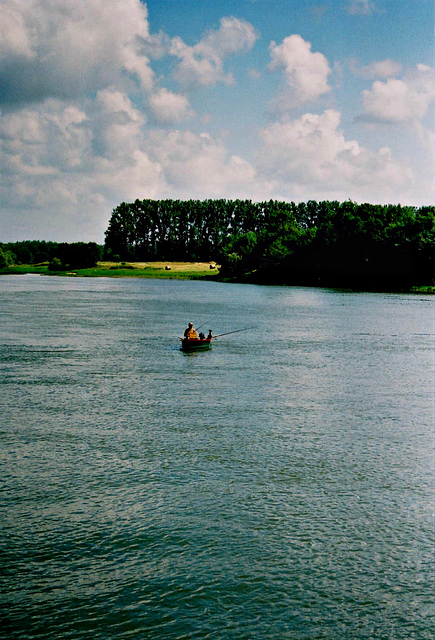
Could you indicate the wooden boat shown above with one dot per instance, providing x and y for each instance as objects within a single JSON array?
[
  {"x": 195, "y": 344},
  {"x": 200, "y": 344}
]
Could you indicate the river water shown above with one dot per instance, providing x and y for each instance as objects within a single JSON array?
[{"x": 279, "y": 486}]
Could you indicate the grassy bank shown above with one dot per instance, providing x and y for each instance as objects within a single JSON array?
[{"x": 180, "y": 270}]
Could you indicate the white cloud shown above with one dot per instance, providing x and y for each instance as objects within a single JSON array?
[
  {"x": 380, "y": 69},
  {"x": 74, "y": 165},
  {"x": 117, "y": 126},
  {"x": 15, "y": 36},
  {"x": 169, "y": 107},
  {"x": 233, "y": 35},
  {"x": 42, "y": 140},
  {"x": 310, "y": 158},
  {"x": 113, "y": 101},
  {"x": 77, "y": 141},
  {"x": 68, "y": 49},
  {"x": 304, "y": 149},
  {"x": 400, "y": 100},
  {"x": 65, "y": 167},
  {"x": 305, "y": 73},
  {"x": 199, "y": 166},
  {"x": 202, "y": 64}
]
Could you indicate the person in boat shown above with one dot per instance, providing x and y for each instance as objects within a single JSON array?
[
  {"x": 210, "y": 335},
  {"x": 201, "y": 336},
  {"x": 190, "y": 332}
]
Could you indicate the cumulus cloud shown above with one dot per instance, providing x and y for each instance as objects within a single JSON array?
[
  {"x": 200, "y": 166},
  {"x": 42, "y": 141},
  {"x": 80, "y": 103},
  {"x": 400, "y": 100},
  {"x": 68, "y": 49},
  {"x": 73, "y": 164},
  {"x": 305, "y": 73},
  {"x": 117, "y": 126},
  {"x": 169, "y": 107},
  {"x": 203, "y": 63},
  {"x": 311, "y": 155}
]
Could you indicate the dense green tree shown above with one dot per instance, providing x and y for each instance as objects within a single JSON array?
[
  {"x": 79, "y": 255},
  {"x": 55, "y": 265},
  {"x": 343, "y": 244},
  {"x": 37, "y": 251},
  {"x": 7, "y": 258}
]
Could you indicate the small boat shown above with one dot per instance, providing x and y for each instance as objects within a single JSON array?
[{"x": 195, "y": 344}]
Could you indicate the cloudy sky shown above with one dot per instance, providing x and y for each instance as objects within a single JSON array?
[{"x": 104, "y": 101}]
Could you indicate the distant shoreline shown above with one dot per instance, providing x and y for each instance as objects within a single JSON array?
[
  {"x": 163, "y": 270},
  {"x": 158, "y": 269}
]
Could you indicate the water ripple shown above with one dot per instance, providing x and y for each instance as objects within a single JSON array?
[{"x": 245, "y": 493}]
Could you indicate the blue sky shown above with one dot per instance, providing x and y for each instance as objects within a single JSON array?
[{"x": 103, "y": 102}]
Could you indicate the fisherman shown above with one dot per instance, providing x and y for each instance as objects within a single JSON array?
[
  {"x": 210, "y": 335},
  {"x": 190, "y": 332}
]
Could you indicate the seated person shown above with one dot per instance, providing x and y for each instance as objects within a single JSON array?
[{"x": 190, "y": 332}]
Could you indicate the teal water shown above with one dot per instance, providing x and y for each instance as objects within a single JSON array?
[{"x": 279, "y": 486}]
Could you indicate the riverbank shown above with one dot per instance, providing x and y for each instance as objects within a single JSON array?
[
  {"x": 179, "y": 270},
  {"x": 158, "y": 269}
]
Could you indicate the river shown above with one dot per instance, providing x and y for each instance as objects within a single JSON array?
[{"x": 279, "y": 486}]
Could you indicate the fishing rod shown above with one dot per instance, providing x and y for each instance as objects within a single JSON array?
[
  {"x": 229, "y": 332},
  {"x": 225, "y": 334}
]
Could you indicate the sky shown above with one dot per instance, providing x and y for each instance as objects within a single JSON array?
[{"x": 109, "y": 101}]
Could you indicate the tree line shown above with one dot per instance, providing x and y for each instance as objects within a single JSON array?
[
  {"x": 59, "y": 255},
  {"x": 317, "y": 243}
]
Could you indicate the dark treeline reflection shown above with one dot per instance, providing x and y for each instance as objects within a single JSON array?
[{"x": 327, "y": 243}]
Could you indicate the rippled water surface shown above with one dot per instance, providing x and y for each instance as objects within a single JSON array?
[{"x": 278, "y": 486}]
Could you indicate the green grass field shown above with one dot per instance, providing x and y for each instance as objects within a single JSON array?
[{"x": 180, "y": 270}]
